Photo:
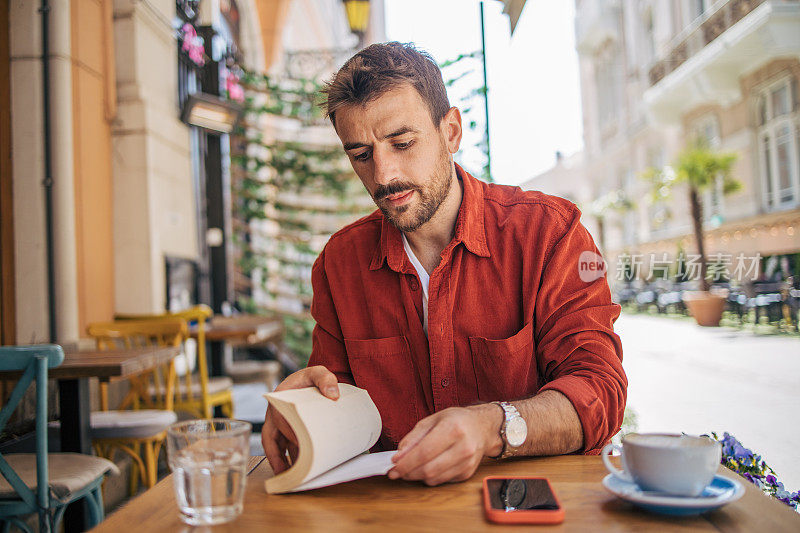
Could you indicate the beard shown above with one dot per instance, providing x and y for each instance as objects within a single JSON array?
[{"x": 408, "y": 218}]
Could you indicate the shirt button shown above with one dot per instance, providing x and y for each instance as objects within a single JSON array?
[
  {"x": 414, "y": 285},
  {"x": 445, "y": 382}
]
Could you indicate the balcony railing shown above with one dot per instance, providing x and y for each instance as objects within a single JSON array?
[
  {"x": 704, "y": 30},
  {"x": 315, "y": 64}
]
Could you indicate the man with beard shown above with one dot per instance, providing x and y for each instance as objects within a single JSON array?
[{"x": 477, "y": 316}]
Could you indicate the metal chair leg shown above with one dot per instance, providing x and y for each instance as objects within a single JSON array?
[
  {"x": 58, "y": 516},
  {"x": 44, "y": 521},
  {"x": 17, "y": 522},
  {"x": 95, "y": 504}
]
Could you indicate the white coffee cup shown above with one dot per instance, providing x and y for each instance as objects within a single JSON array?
[{"x": 682, "y": 465}]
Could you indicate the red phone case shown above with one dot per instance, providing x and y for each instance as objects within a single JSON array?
[{"x": 542, "y": 516}]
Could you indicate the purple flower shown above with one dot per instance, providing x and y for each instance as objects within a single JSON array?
[
  {"x": 748, "y": 477},
  {"x": 740, "y": 453},
  {"x": 772, "y": 480}
]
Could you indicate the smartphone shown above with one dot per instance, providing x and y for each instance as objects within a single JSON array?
[{"x": 521, "y": 500}]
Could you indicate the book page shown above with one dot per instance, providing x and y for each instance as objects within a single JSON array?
[
  {"x": 360, "y": 466},
  {"x": 339, "y": 430}
]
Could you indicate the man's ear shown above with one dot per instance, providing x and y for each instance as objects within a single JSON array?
[{"x": 450, "y": 126}]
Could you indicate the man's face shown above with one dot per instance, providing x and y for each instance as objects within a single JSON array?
[{"x": 401, "y": 156}]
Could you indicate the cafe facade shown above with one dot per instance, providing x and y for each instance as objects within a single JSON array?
[{"x": 113, "y": 200}]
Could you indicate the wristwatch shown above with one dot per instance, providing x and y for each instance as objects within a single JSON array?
[{"x": 513, "y": 431}]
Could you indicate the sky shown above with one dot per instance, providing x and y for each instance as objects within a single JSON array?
[{"x": 534, "y": 91}]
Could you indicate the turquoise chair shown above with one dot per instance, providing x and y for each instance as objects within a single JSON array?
[{"x": 43, "y": 483}]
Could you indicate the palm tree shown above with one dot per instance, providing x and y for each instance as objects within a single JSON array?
[
  {"x": 615, "y": 201},
  {"x": 699, "y": 167}
]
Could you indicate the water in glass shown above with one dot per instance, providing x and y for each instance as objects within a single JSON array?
[{"x": 209, "y": 472}]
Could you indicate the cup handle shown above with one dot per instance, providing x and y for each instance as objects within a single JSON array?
[{"x": 621, "y": 474}]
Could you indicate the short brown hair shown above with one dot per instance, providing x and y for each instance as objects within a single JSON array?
[{"x": 382, "y": 67}]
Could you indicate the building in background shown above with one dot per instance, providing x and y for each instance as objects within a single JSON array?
[
  {"x": 140, "y": 199},
  {"x": 655, "y": 75}
]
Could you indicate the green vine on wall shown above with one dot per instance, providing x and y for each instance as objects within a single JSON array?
[
  {"x": 456, "y": 72},
  {"x": 301, "y": 191}
]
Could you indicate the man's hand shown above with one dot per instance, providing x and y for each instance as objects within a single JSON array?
[
  {"x": 449, "y": 445},
  {"x": 276, "y": 436}
]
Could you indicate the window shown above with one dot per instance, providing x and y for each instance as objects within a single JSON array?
[
  {"x": 779, "y": 144},
  {"x": 608, "y": 74}
]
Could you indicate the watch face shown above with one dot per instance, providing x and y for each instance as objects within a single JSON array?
[{"x": 516, "y": 432}]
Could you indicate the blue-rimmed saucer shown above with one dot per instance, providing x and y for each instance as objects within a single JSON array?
[{"x": 719, "y": 492}]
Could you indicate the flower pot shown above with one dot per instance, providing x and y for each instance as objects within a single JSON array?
[{"x": 705, "y": 307}]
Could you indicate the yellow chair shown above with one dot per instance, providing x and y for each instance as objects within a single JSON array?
[
  {"x": 131, "y": 430},
  {"x": 197, "y": 394}
]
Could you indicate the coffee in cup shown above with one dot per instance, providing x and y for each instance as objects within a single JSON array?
[{"x": 682, "y": 465}]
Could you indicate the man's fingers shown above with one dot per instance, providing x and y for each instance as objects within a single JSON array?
[
  {"x": 425, "y": 451},
  {"x": 432, "y": 469},
  {"x": 293, "y": 451},
  {"x": 413, "y": 437},
  {"x": 277, "y": 436},
  {"x": 325, "y": 381},
  {"x": 275, "y": 453},
  {"x": 457, "y": 463},
  {"x": 459, "y": 471},
  {"x": 283, "y": 427},
  {"x": 313, "y": 376}
]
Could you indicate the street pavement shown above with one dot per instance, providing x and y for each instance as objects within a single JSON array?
[{"x": 683, "y": 377}]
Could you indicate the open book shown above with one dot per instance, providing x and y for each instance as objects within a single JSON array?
[{"x": 332, "y": 437}]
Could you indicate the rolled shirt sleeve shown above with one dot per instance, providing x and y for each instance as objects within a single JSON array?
[{"x": 577, "y": 351}]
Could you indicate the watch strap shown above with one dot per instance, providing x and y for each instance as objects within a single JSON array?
[{"x": 509, "y": 413}]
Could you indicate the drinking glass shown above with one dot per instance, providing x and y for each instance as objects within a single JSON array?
[{"x": 208, "y": 459}]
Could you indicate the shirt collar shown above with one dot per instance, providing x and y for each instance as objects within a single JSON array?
[{"x": 469, "y": 228}]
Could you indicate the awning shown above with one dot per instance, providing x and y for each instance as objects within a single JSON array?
[{"x": 513, "y": 8}]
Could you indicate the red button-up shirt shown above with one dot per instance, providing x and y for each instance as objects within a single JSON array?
[{"x": 509, "y": 314}]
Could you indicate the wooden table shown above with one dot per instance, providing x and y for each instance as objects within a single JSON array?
[
  {"x": 106, "y": 364},
  {"x": 237, "y": 330},
  {"x": 379, "y": 504},
  {"x": 250, "y": 329},
  {"x": 73, "y": 384}
]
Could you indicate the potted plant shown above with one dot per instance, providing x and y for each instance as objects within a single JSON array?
[{"x": 699, "y": 167}]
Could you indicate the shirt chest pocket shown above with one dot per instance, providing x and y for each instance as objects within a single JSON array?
[
  {"x": 384, "y": 368},
  {"x": 505, "y": 369}
]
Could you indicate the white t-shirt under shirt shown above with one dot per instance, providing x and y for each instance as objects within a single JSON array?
[{"x": 424, "y": 278}]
